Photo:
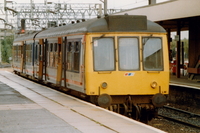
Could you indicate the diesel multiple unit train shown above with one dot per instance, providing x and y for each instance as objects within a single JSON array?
[{"x": 119, "y": 62}]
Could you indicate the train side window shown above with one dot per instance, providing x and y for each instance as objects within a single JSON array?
[
  {"x": 128, "y": 53},
  {"x": 69, "y": 46},
  {"x": 40, "y": 52},
  {"x": 16, "y": 52},
  {"x": 28, "y": 56},
  {"x": 17, "y": 49},
  {"x": 25, "y": 52},
  {"x": 59, "y": 53},
  {"x": 36, "y": 53},
  {"x": 19, "y": 53},
  {"x": 47, "y": 45},
  {"x": 69, "y": 56},
  {"x": 29, "y": 53},
  {"x": 76, "y": 46},
  {"x": 76, "y": 56},
  {"x": 49, "y": 53},
  {"x": 51, "y": 47},
  {"x": 152, "y": 53},
  {"x": 104, "y": 55},
  {"x": 55, "y": 47},
  {"x": 13, "y": 52}
]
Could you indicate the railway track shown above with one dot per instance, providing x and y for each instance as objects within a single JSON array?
[{"x": 180, "y": 116}]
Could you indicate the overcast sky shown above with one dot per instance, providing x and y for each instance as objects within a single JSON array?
[{"x": 117, "y": 4}]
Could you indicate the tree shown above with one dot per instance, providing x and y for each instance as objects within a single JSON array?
[{"x": 6, "y": 49}]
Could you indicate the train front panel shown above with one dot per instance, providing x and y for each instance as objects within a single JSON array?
[{"x": 126, "y": 64}]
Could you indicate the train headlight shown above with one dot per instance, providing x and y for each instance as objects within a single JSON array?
[
  {"x": 104, "y": 85},
  {"x": 154, "y": 84}
]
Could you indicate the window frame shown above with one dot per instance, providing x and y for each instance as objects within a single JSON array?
[
  {"x": 71, "y": 50},
  {"x": 76, "y": 52}
]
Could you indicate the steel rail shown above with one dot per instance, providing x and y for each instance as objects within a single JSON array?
[{"x": 178, "y": 120}]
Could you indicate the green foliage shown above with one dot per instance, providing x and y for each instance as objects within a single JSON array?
[{"x": 6, "y": 49}]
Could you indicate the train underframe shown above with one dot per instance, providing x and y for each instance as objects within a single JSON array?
[{"x": 138, "y": 107}]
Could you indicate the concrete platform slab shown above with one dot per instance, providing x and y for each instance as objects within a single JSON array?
[
  {"x": 38, "y": 109},
  {"x": 184, "y": 82}
]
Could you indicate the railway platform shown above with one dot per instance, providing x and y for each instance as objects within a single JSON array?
[
  {"x": 183, "y": 81},
  {"x": 27, "y": 107}
]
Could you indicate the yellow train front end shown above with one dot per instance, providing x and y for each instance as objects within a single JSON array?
[{"x": 127, "y": 70}]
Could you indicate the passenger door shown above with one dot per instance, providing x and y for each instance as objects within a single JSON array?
[
  {"x": 59, "y": 62},
  {"x": 74, "y": 68},
  {"x": 41, "y": 48}
]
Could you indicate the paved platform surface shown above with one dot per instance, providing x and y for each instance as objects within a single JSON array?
[
  {"x": 27, "y": 107},
  {"x": 184, "y": 81}
]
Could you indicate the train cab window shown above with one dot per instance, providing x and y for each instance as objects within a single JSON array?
[
  {"x": 103, "y": 49},
  {"x": 128, "y": 53},
  {"x": 152, "y": 54}
]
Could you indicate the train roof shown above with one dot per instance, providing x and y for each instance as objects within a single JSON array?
[
  {"x": 114, "y": 23},
  {"x": 28, "y": 36}
]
